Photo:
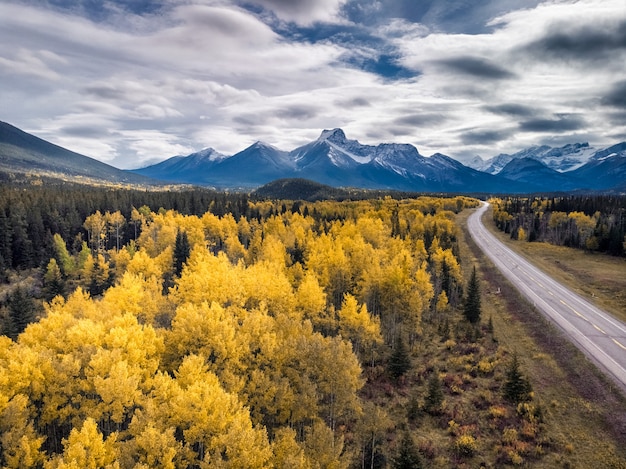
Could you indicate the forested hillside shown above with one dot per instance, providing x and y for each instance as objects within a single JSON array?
[
  {"x": 275, "y": 334},
  {"x": 595, "y": 223}
]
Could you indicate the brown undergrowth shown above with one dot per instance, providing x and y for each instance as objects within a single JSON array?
[{"x": 586, "y": 412}]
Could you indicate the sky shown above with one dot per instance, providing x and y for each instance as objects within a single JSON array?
[{"x": 133, "y": 82}]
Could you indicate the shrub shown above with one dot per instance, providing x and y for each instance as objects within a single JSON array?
[{"x": 465, "y": 446}]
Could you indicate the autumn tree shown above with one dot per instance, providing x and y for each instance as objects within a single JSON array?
[{"x": 53, "y": 283}]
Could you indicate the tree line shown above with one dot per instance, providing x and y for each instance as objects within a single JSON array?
[{"x": 592, "y": 223}]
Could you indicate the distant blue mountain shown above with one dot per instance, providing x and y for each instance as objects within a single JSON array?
[
  {"x": 334, "y": 160},
  {"x": 337, "y": 161}
]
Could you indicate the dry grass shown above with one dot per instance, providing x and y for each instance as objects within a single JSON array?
[
  {"x": 585, "y": 424},
  {"x": 597, "y": 277}
]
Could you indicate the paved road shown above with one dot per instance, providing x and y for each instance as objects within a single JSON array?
[{"x": 600, "y": 336}]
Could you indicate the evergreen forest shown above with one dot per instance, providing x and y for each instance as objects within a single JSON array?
[{"x": 199, "y": 329}]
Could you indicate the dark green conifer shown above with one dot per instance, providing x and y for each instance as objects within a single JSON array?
[
  {"x": 434, "y": 397},
  {"x": 400, "y": 361},
  {"x": 471, "y": 309},
  {"x": 408, "y": 455},
  {"x": 516, "y": 388},
  {"x": 182, "y": 249}
]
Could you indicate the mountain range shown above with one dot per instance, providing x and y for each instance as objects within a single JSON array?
[{"x": 337, "y": 161}]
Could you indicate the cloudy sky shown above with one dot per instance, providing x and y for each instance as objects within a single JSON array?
[{"x": 132, "y": 82}]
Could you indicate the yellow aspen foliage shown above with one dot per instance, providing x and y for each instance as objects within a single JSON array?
[
  {"x": 117, "y": 385},
  {"x": 288, "y": 454},
  {"x": 208, "y": 278},
  {"x": 273, "y": 251},
  {"x": 19, "y": 442},
  {"x": 442, "y": 302},
  {"x": 356, "y": 325},
  {"x": 266, "y": 282},
  {"x": 120, "y": 260},
  {"x": 151, "y": 446},
  {"x": 137, "y": 295},
  {"x": 311, "y": 299},
  {"x": 214, "y": 421},
  {"x": 143, "y": 264},
  {"x": 86, "y": 449},
  {"x": 210, "y": 331},
  {"x": 324, "y": 449}
]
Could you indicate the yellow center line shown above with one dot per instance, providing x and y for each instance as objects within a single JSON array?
[
  {"x": 598, "y": 329},
  {"x": 577, "y": 313},
  {"x": 617, "y": 342}
]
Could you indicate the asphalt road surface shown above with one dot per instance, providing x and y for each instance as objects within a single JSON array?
[{"x": 599, "y": 335}]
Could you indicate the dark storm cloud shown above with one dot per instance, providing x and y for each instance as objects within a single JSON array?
[
  {"x": 105, "y": 92},
  {"x": 420, "y": 120},
  {"x": 476, "y": 66},
  {"x": 560, "y": 124},
  {"x": 586, "y": 44},
  {"x": 297, "y": 112},
  {"x": 616, "y": 97},
  {"x": 510, "y": 109},
  {"x": 353, "y": 103},
  {"x": 484, "y": 136}
]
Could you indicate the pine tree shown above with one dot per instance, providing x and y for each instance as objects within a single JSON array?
[
  {"x": 400, "y": 361},
  {"x": 182, "y": 250},
  {"x": 408, "y": 455},
  {"x": 517, "y": 388},
  {"x": 434, "y": 398},
  {"x": 472, "y": 307},
  {"x": 21, "y": 311}
]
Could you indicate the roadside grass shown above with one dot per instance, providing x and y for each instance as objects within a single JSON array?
[
  {"x": 597, "y": 277},
  {"x": 585, "y": 414}
]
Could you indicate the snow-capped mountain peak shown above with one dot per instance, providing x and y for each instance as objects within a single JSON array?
[{"x": 335, "y": 135}]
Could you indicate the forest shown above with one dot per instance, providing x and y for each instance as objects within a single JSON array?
[
  {"x": 591, "y": 223},
  {"x": 253, "y": 334}
]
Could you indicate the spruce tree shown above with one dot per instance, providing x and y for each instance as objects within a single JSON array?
[
  {"x": 516, "y": 388},
  {"x": 400, "y": 361},
  {"x": 21, "y": 311},
  {"x": 434, "y": 398},
  {"x": 408, "y": 455},
  {"x": 182, "y": 250},
  {"x": 471, "y": 308}
]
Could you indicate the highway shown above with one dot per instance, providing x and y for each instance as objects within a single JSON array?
[{"x": 599, "y": 335}]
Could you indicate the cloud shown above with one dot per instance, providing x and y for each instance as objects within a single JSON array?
[
  {"x": 616, "y": 97},
  {"x": 305, "y": 12},
  {"x": 448, "y": 76},
  {"x": 420, "y": 120},
  {"x": 477, "y": 67},
  {"x": 485, "y": 137},
  {"x": 562, "y": 123},
  {"x": 511, "y": 109},
  {"x": 297, "y": 112},
  {"x": 586, "y": 43}
]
